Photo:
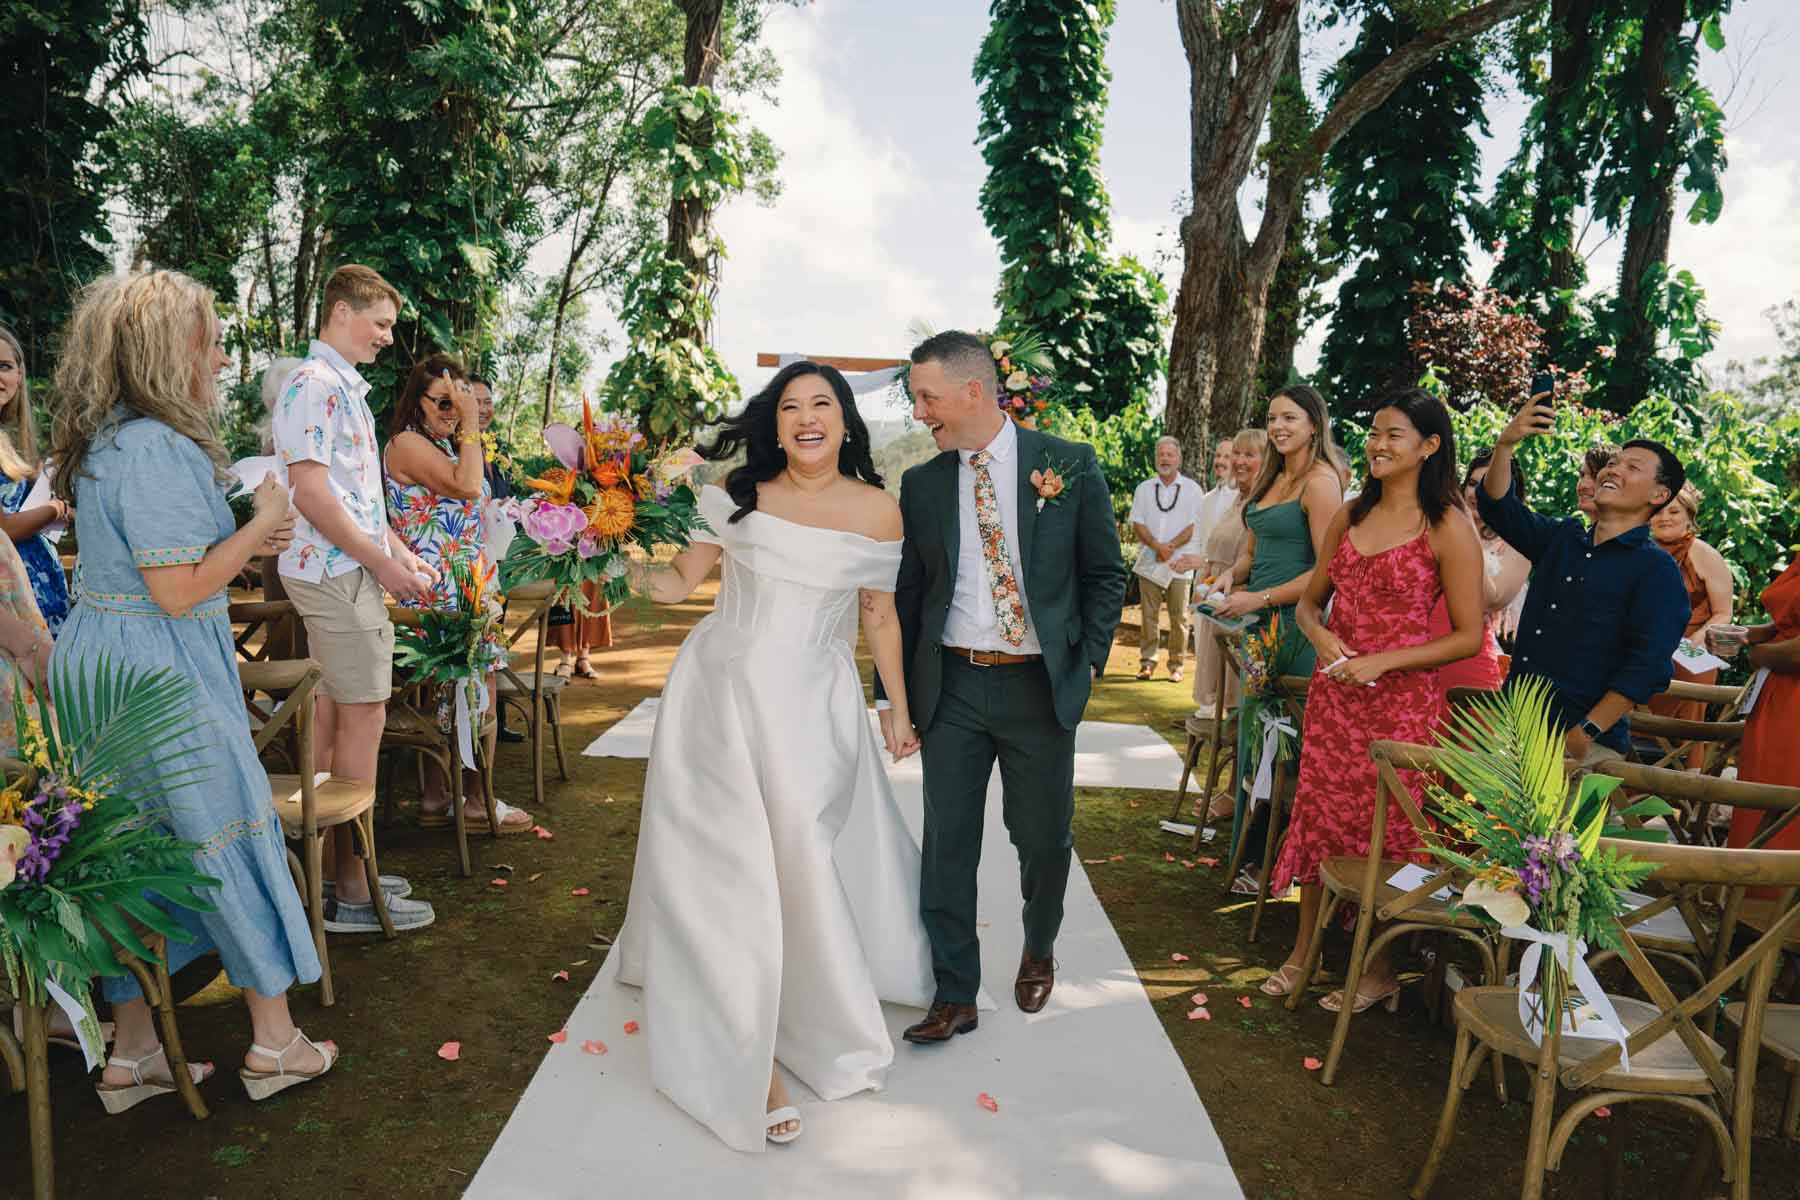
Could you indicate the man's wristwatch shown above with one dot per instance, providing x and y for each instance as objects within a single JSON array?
[{"x": 1591, "y": 730}]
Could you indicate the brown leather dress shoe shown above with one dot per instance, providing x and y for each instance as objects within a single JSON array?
[
  {"x": 943, "y": 1022},
  {"x": 1036, "y": 977}
]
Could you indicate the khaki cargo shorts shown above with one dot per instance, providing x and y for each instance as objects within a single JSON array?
[{"x": 348, "y": 633}]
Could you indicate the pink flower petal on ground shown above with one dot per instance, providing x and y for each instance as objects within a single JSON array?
[
  {"x": 592, "y": 1047},
  {"x": 1189, "y": 863},
  {"x": 559, "y": 1037},
  {"x": 1134, "y": 803},
  {"x": 1244, "y": 1002},
  {"x": 561, "y": 977},
  {"x": 1311, "y": 1063},
  {"x": 1178, "y": 957},
  {"x": 1167, "y": 857},
  {"x": 578, "y": 892},
  {"x": 988, "y": 1102},
  {"x": 1094, "y": 862},
  {"x": 496, "y": 882},
  {"x": 1199, "y": 1014},
  {"x": 1603, "y": 1111},
  {"x": 543, "y": 834},
  {"x": 450, "y": 1051},
  {"x": 1212, "y": 863},
  {"x": 1199, "y": 997},
  {"x": 1116, "y": 858},
  {"x": 631, "y": 1027}
]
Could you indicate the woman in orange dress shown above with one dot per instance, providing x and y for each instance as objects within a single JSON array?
[
  {"x": 1709, "y": 584},
  {"x": 1768, "y": 753}
]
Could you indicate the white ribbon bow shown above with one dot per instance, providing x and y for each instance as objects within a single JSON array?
[
  {"x": 1273, "y": 728},
  {"x": 1597, "y": 1019},
  {"x": 465, "y": 725}
]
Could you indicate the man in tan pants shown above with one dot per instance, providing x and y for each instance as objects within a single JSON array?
[{"x": 1164, "y": 514}]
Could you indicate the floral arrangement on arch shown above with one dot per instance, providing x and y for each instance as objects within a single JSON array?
[
  {"x": 1022, "y": 365},
  {"x": 611, "y": 491},
  {"x": 80, "y": 860}
]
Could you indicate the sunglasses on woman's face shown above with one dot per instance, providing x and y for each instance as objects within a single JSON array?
[{"x": 444, "y": 403}]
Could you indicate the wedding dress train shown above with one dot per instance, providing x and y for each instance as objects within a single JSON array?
[{"x": 775, "y": 899}]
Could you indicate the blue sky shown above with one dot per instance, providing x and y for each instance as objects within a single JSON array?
[{"x": 879, "y": 227}]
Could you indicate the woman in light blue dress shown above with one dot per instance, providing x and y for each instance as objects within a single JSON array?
[
  {"x": 141, "y": 464},
  {"x": 18, "y": 472}
]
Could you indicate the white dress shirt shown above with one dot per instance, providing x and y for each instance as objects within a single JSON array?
[
  {"x": 1183, "y": 498},
  {"x": 973, "y": 623}
]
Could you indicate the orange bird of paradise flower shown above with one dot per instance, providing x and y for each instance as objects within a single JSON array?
[{"x": 557, "y": 484}]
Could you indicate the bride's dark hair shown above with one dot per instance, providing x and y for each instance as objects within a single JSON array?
[{"x": 764, "y": 459}]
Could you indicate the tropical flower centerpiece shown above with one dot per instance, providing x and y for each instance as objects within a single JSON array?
[
  {"x": 1023, "y": 365},
  {"x": 610, "y": 492},
  {"x": 1530, "y": 840},
  {"x": 1268, "y": 654},
  {"x": 79, "y": 860}
]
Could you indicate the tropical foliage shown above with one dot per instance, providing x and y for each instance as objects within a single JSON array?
[
  {"x": 81, "y": 856},
  {"x": 451, "y": 644}
]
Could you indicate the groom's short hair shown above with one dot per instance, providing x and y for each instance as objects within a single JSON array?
[{"x": 963, "y": 355}]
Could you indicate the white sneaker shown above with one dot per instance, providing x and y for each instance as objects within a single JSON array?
[{"x": 406, "y": 914}]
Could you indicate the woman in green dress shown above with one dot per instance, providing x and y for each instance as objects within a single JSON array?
[{"x": 1288, "y": 510}]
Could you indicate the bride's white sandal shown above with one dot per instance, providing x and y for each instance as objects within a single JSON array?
[
  {"x": 263, "y": 1084},
  {"x": 117, "y": 1097},
  {"x": 782, "y": 1116}
]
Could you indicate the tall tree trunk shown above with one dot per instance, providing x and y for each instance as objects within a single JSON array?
[
  {"x": 689, "y": 217},
  {"x": 1290, "y": 118},
  {"x": 1652, "y": 210},
  {"x": 1223, "y": 300},
  {"x": 268, "y": 255},
  {"x": 306, "y": 270}
]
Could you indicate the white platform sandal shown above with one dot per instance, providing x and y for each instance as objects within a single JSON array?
[
  {"x": 118, "y": 1097},
  {"x": 782, "y": 1116},
  {"x": 262, "y": 1084}
]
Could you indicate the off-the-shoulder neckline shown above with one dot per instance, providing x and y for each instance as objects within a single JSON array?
[{"x": 803, "y": 525}]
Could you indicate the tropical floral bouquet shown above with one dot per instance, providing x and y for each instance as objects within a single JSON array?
[
  {"x": 610, "y": 492},
  {"x": 449, "y": 645},
  {"x": 81, "y": 856},
  {"x": 1530, "y": 840},
  {"x": 1268, "y": 654}
]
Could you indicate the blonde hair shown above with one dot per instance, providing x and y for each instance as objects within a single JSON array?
[
  {"x": 132, "y": 349},
  {"x": 18, "y": 428},
  {"x": 359, "y": 287},
  {"x": 1250, "y": 438},
  {"x": 1689, "y": 498}
]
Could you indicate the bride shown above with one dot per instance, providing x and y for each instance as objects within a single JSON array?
[{"x": 774, "y": 904}]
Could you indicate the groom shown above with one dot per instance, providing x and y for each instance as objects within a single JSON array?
[{"x": 1010, "y": 586}]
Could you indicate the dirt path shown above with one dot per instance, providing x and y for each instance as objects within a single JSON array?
[{"x": 395, "y": 1121}]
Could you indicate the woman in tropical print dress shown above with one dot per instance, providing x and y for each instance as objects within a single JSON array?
[
  {"x": 436, "y": 487},
  {"x": 1389, "y": 554},
  {"x": 19, "y": 465}
]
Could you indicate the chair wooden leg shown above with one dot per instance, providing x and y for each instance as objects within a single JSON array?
[
  {"x": 1790, "y": 1115},
  {"x": 1353, "y": 973},
  {"x": 1271, "y": 844},
  {"x": 562, "y": 764},
  {"x": 458, "y": 821},
  {"x": 1615, "y": 1152},
  {"x": 12, "y": 1055},
  {"x": 36, "y": 1052},
  {"x": 1189, "y": 756},
  {"x": 1543, "y": 1113},
  {"x": 171, "y": 1033},
  {"x": 364, "y": 827},
  {"x": 537, "y": 749},
  {"x": 312, "y": 892},
  {"x": 1315, "y": 950},
  {"x": 1446, "y": 1130}
]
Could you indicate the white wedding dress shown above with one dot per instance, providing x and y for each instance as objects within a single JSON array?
[{"x": 775, "y": 900}]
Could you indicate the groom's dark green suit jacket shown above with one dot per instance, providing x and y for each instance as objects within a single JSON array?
[{"x": 1074, "y": 574}]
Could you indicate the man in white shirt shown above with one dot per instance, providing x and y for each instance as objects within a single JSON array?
[{"x": 1165, "y": 513}]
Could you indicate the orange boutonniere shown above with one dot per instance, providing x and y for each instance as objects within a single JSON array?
[{"x": 1049, "y": 483}]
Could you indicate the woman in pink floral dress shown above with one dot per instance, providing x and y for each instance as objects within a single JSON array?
[{"x": 1389, "y": 554}]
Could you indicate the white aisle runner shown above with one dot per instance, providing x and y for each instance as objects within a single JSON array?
[{"x": 1093, "y": 1101}]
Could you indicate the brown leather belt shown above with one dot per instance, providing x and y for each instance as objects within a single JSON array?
[{"x": 991, "y": 658}]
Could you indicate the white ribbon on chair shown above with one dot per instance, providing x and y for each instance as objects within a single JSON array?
[
  {"x": 1273, "y": 727},
  {"x": 1597, "y": 1018},
  {"x": 465, "y": 724}
]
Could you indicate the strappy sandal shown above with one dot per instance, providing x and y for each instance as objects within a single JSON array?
[
  {"x": 503, "y": 810},
  {"x": 262, "y": 1084},
  {"x": 585, "y": 668},
  {"x": 564, "y": 670},
  {"x": 1145, "y": 674},
  {"x": 118, "y": 1097},
  {"x": 1282, "y": 982},
  {"x": 782, "y": 1116},
  {"x": 1334, "y": 1001}
]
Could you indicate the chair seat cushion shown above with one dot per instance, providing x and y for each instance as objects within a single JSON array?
[
  {"x": 1665, "y": 1065},
  {"x": 1781, "y": 1029},
  {"x": 1667, "y": 930},
  {"x": 335, "y": 801},
  {"x": 1342, "y": 875}
]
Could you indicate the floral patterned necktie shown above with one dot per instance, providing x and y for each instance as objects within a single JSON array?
[{"x": 1009, "y": 606}]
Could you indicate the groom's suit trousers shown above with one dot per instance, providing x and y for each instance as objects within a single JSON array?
[{"x": 1006, "y": 713}]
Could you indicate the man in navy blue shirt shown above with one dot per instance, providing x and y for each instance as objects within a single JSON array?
[{"x": 1607, "y": 606}]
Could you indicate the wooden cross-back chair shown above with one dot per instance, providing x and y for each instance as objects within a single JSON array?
[
  {"x": 311, "y": 804},
  {"x": 1363, "y": 880},
  {"x": 268, "y": 631},
  {"x": 1219, "y": 734},
  {"x": 1673, "y": 1060},
  {"x": 1293, "y": 690},
  {"x": 536, "y": 695},
  {"x": 27, "y": 1060},
  {"x": 411, "y": 728}
]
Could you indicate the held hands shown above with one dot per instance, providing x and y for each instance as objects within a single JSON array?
[
  {"x": 1163, "y": 553},
  {"x": 405, "y": 580},
  {"x": 1241, "y": 604},
  {"x": 280, "y": 537},
  {"x": 898, "y": 732},
  {"x": 1535, "y": 418},
  {"x": 1357, "y": 671}
]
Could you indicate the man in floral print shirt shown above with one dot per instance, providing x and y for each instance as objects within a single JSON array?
[{"x": 343, "y": 559}]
